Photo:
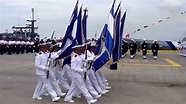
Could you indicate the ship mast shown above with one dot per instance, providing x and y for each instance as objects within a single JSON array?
[{"x": 32, "y": 20}]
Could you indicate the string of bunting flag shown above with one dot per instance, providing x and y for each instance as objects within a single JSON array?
[{"x": 146, "y": 26}]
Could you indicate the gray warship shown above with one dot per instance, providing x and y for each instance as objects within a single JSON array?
[{"x": 27, "y": 32}]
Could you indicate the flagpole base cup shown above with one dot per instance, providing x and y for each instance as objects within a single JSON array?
[{"x": 114, "y": 66}]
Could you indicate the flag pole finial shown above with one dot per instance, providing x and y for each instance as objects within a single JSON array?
[
  {"x": 113, "y": 2},
  {"x": 120, "y": 2},
  {"x": 86, "y": 10}
]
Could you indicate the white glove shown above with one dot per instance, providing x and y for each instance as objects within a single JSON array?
[
  {"x": 94, "y": 58},
  {"x": 88, "y": 71},
  {"x": 85, "y": 64},
  {"x": 84, "y": 69},
  {"x": 49, "y": 59},
  {"x": 84, "y": 61},
  {"x": 46, "y": 68}
]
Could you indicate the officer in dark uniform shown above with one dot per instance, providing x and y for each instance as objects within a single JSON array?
[
  {"x": 31, "y": 46},
  {"x": 144, "y": 47},
  {"x": 133, "y": 48},
  {"x": 9, "y": 47},
  {"x": 36, "y": 47},
  {"x": 14, "y": 46},
  {"x": 23, "y": 46},
  {"x": 18, "y": 46},
  {"x": 5, "y": 46},
  {"x": 124, "y": 48},
  {"x": 1, "y": 46},
  {"x": 155, "y": 47},
  {"x": 27, "y": 46}
]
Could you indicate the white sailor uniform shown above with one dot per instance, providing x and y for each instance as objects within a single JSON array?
[
  {"x": 92, "y": 77},
  {"x": 78, "y": 83},
  {"x": 58, "y": 73},
  {"x": 41, "y": 70}
]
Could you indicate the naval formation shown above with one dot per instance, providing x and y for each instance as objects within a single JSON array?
[
  {"x": 84, "y": 80},
  {"x": 18, "y": 46},
  {"x": 21, "y": 46},
  {"x": 53, "y": 74}
]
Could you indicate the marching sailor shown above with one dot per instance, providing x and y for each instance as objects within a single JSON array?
[
  {"x": 88, "y": 84},
  {"x": 52, "y": 77},
  {"x": 41, "y": 60},
  {"x": 91, "y": 75},
  {"x": 78, "y": 83},
  {"x": 57, "y": 68}
]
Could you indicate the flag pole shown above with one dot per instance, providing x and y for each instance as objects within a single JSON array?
[{"x": 49, "y": 61}]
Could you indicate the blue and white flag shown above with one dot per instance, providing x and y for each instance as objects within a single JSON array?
[
  {"x": 122, "y": 24},
  {"x": 67, "y": 41},
  {"x": 118, "y": 8},
  {"x": 106, "y": 42},
  {"x": 116, "y": 49},
  {"x": 100, "y": 41},
  {"x": 79, "y": 38},
  {"x": 121, "y": 32},
  {"x": 84, "y": 23}
]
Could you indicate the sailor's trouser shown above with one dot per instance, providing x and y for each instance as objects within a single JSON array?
[{"x": 43, "y": 81}]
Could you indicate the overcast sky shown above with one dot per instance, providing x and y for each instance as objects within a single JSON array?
[{"x": 55, "y": 15}]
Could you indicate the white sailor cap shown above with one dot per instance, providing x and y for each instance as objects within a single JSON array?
[
  {"x": 57, "y": 45},
  {"x": 92, "y": 44},
  {"x": 133, "y": 40},
  {"x": 78, "y": 47},
  {"x": 60, "y": 44},
  {"x": 124, "y": 40},
  {"x": 42, "y": 44},
  {"x": 155, "y": 41}
]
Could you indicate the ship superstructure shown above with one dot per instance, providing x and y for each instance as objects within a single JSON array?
[{"x": 27, "y": 32}]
